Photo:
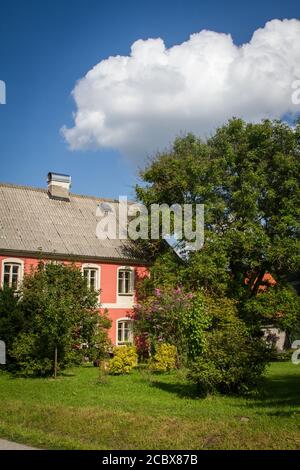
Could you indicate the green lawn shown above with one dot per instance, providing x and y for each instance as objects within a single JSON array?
[{"x": 139, "y": 411}]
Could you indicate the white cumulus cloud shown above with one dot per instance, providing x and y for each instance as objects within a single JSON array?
[{"x": 139, "y": 103}]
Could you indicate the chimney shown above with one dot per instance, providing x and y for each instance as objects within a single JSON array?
[{"x": 59, "y": 186}]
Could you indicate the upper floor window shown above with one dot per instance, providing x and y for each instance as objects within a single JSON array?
[
  {"x": 125, "y": 281},
  {"x": 12, "y": 273},
  {"x": 91, "y": 275}
]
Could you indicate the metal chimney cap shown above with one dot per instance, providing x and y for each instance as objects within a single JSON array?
[{"x": 59, "y": 177}]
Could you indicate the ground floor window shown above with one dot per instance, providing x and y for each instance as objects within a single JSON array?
[{"x": 125, "y": 331}]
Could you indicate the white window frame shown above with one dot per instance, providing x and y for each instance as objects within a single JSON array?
[
  {"x": 13, "y": 261},
  {"x": 98, "y": 275},
  {"x": 121, "y": 320},
  {"x": 131, "y": 270}
]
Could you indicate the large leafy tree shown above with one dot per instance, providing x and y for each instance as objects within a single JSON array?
[
  {"x": 59, "y": 314},
  {"x": 247, "y": 176}
]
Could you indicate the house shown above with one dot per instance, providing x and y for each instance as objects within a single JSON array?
[{"x": 59, "y": 226}]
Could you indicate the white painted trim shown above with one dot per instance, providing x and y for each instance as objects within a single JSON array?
[
  {"x": 15, "y": 261},
  {"x": 117, "y": 305},
  {"x": 98, "y": 277},
  {"x": 117, "y": 322}
]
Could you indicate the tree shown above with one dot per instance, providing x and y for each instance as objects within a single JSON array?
[
  {"x": 280, "y": 304},
  {"x": 60, "y": 315},
  {"x": 247, "y": 176}
]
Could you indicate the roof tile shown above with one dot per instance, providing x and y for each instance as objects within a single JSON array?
[{"x": 31, "y": 221}]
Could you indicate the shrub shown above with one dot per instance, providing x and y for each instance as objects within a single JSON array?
[
  {"x": 205, "y": 374},
  {"x": 12, "y": 321},
  {"x": 233, "y": 361},
  {"x": 124, "y": 360},
  {"x": 164, "y": 359},
  {"x": 26, "y": 351},
  {"x": 282, "y": 356},
  {"x": 175, "y": 317},
  {"x": 54, "y": 311}
]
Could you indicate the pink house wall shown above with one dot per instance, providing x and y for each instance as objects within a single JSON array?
[{"x": 108, "y": 285}]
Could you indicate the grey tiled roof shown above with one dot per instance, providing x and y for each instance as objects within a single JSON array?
[{"x": 32, "y": 222}]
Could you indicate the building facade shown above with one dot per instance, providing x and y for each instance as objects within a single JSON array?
[{"x": 55, "y": 225}]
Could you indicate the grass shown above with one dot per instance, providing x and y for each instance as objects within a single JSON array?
[{"x": 140, "y": 411}]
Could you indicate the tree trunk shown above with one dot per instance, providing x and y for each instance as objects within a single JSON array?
[
  {"x": 258, "y": 282},
  {"x": 55, "y": 362}
]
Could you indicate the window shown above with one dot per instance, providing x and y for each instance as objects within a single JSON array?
[
  {"x": 125, "y": 281},
  {"x": 125, "y": 331},
  {"x": 12, "y": 274},
  {"x": 91, "y": 275}
]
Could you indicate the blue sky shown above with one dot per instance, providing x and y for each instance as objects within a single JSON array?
[{"x": 46, "y": 46}]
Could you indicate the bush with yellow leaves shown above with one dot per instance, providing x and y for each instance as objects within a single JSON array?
[
  {"x": 164, "y": 359},
  {"x": 124, "y": 360}
]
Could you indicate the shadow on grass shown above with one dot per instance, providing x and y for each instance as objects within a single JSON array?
[
  {"x": 66, "y": 374},
  {"x": 182, "y": 390},
  {"x": 19, "y": 375},
  {"x": 279, "y": 395}
]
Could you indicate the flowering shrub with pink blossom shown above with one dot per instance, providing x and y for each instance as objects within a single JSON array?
[{"x": 173, "y": 316}]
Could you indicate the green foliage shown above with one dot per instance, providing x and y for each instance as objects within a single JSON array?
[
  {"x": 166, "y": 270},
  {"x": 58, "y": 311},
  {"x": 278, "y": 305},
  {"x": 247, "y": 175},
  {"x": 282, "y": 356},
  {"x": 233, "y": 361},
  {"x": 12, "y": 319},
  {"x": 222, "y": 310},
  {"x": 205, "y": 374},
  {"x": 124, "y": 360},
  {"x": 29, "y": 355},
  {"x": 207, "y": 269},
  {"x": 175, "y": 317},
  {"x": 164, "y": 359}
]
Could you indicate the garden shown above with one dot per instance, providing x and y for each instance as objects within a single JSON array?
[
  {"x": 199, "y": 373},
  {"x": 148, "y": 411}
]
